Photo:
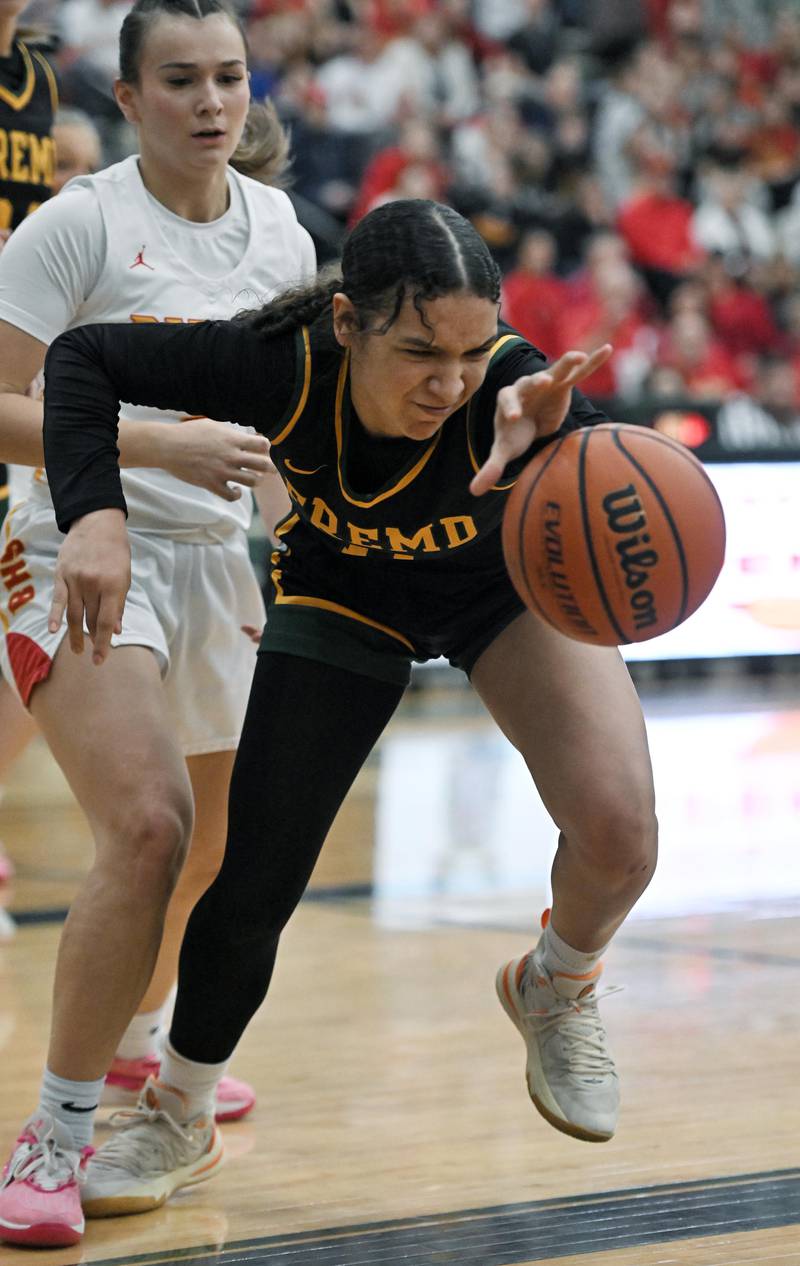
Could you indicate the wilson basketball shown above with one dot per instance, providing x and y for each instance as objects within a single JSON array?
[{"x": 614, "y": 534}]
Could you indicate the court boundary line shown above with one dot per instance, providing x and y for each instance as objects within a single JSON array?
[{"x": 676, "y": 1200}]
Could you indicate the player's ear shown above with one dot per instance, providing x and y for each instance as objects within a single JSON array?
[
  {"x": 126, "y": 100},
  {"x": 345, "y": 319}
]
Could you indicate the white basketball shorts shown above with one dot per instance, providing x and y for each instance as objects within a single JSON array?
[{"x": 187, "y": 602}]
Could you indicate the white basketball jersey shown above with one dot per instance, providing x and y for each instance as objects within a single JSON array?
[{"x": 145, "y": 279}]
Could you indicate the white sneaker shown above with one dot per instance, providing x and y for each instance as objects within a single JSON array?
[
  {"x": 570, "y": 1071},
  {"x": 151, "y": 1155}
]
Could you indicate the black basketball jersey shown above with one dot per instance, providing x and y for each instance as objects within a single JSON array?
[
  {"x": 28, "y": 101},
  {"x": 423, "y": 510}
]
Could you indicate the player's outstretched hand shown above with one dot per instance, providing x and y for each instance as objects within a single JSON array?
[
  {"x": 534, "y": 406},
  {"x": 214, "y": 455},
  {"x": 93, "y": 575}
]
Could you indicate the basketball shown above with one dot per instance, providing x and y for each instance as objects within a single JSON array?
[{"x": 613, "y": 534}]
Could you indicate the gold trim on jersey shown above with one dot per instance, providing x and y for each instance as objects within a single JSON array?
[
  {"x": 501, "y": 342},
  {"x": 301, "y": 404},
  {"x": 18, "y": 101},
  {"x": 323, "y": 604},
  {"x": 4, "y": 490},
  {"x": 51, "y": 79},
  {"x": 496, "y": 347},
  {"x": 403, "y": 481}
]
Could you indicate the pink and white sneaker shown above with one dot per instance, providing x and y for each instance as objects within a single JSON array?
[
  {"x": 126, "y": 1077},
  {"x": 6, "y": 866},
  {"x": 40, "y": 1201}
]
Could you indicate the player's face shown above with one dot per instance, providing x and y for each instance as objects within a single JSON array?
[
  {"x": 191, "y": 101},
  {"x": 408, "y": 381}
]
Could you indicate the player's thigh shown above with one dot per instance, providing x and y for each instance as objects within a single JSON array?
[
  {"x": 17, "y": 727},
  {"x": 110, "y": 730},
  {"x": 573, "y": 713}
]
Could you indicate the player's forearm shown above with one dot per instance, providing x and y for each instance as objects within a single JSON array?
[
  {"x": 20, "y": 430},
  {"x": 143, "y": 443},
  {"x": 140, "y": 443}
]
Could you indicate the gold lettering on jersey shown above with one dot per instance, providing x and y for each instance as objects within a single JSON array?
[
  {"x": 460, "y": 529},
  {"x": 407, "y": 546},
  {"x": 323, "y": 517},
  {"x": 432, "y": 538},
  {"x": 362, "y": 539},
  {"x": 26, "y": 158}
]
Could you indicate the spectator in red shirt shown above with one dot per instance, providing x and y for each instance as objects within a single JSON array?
[
  {"x": 612, "y": 313},
  {"x": 417, "y": 145},
  {"x": 741, "y": 317},
  {"x": 707, "y": 368},
  {"x": 656, "y": 222},
  {"x": 533, "y": 295}
]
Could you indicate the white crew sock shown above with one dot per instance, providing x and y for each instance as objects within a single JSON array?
[
  {"x": 146, "y": 1032},
  {"x": 73, "y": 1103},
  {"x": 196, "y": 1082},
  {"x": 557, "y": 956}
]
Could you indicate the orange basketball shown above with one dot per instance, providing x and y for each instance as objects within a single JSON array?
[{"x": 614, "y": 534}]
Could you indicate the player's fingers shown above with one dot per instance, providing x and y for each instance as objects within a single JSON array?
[
  {"x": 249, "y": 478},
  {"x": 225, "y": 490},
  {"x": 260, "y": 462},
  {"x": 254, "y": 443},
  {"x": 490, "y": 473},
  {"x": 75, "y": 620},
  {"x": 582, "y": 365},
  {"x": 59, "y": 604},
  {"x": 107, "y": 620}
]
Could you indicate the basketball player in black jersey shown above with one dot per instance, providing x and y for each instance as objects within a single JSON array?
[
  {"x": 398, "y": 416},
  {"x": 28, "y": 101}
]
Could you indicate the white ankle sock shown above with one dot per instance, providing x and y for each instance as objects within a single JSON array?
[
  {"x": 146, "y": 1032},
  {"x": 196, "y": 1082},
  {"x": 557, "y": 956},
  {"x": 73, "y": 1103}
]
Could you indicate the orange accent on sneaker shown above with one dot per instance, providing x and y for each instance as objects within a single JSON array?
[
  {"x": 596, "y": 971},
  {"x": 545, "y": 919},
  {"x": 506, "y": 989},
  {"x": 519, "y": 971}
]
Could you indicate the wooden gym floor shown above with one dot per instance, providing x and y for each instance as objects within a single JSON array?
[{"x": 393, "y": 1125}]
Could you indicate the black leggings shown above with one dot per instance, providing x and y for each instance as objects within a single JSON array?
[{"x": 308, "y": 730}]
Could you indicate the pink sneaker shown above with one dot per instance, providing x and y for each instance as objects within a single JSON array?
[
  {"x": 6, "y": 866},
  {"x": 126, "y": 1077},
  {"x": 40, "y": 1201}
]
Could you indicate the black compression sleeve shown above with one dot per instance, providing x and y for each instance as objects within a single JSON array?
[
  {"x": 308, "y": 730},
  {"x": 215, "y": 369}
]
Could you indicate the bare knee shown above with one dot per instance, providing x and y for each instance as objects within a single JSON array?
[
  {"x": 149, "y": 838},
  {"x": 619, "y": 840}
]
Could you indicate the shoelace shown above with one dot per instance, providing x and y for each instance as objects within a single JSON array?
[
  {"x": 48, "y": 1164},
  {"x": 134, "y": 1151},
  {"x": 581, "y": 1031}
]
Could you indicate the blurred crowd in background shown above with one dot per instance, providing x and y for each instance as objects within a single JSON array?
[{"x": 633, "y": 164}]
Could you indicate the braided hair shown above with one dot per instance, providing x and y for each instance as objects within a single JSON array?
[{"x": 409, "y": 248}]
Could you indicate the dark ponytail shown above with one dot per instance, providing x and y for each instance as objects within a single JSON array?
[
  {"x": 145, "y": 12},
  {"x": 408, "y": 248}
]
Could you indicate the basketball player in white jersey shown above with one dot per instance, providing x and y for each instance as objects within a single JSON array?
[{"x": 148, "y": 743}]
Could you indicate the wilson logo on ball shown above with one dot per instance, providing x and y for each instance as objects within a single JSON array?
[{"x": 624, "y": 513}]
